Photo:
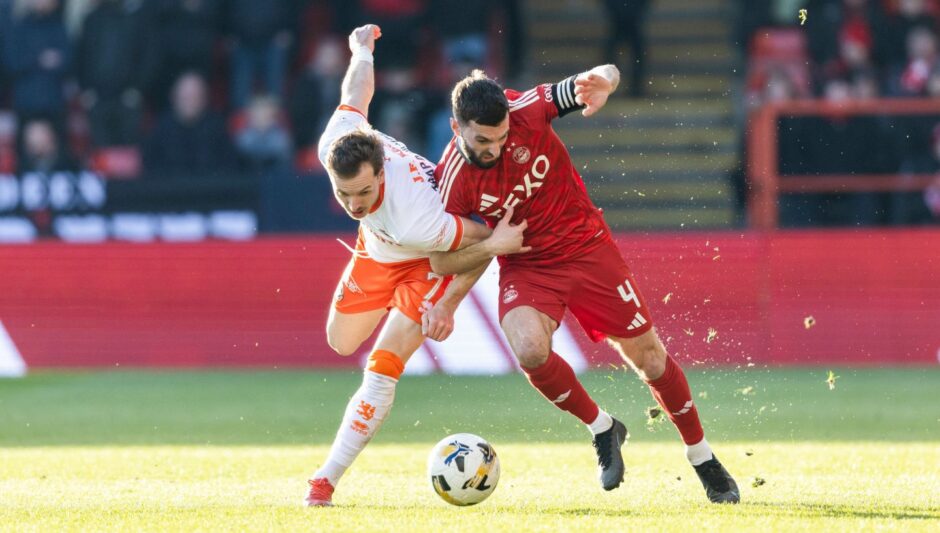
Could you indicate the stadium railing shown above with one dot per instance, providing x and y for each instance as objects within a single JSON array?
[{"x": 766, "y": 182}]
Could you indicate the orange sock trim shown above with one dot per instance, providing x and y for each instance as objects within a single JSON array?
[{"x": 385, "y": 363}]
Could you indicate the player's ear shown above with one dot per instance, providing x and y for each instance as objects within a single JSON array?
[
  {"x": 455, "y": 127},
  {"x": 381, "y": 176}
]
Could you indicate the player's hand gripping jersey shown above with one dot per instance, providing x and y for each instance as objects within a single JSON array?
[
  {"x": 408, "y": 221},
  {"x": 535, "y": 175}
]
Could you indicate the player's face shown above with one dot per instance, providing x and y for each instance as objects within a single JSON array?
[
  {"x": 358, "y": 194},
  {"x": 480, "y": 144}
]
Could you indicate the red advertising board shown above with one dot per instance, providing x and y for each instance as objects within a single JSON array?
[{"x": 874, "y": 296}]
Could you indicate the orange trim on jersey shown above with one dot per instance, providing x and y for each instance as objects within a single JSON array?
[
  {"x": 344, "y": 107},
  {"x": 459, "y": 236},
  {"x": 378, "y": 203},
  {"x": 385, "y": 363}
]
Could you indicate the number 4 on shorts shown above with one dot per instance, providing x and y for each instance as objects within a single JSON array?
[{"x": 628, "y": 294}]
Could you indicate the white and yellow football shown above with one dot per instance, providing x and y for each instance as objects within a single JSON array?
[{"x": 463, "y": 469}]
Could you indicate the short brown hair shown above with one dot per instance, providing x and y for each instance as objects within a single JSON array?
[
  {"x": 480, "y": 99},
  {"x": 349, "y": 152}
]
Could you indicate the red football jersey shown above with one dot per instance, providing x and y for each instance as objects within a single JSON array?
[{"x": 534, "y": 175}]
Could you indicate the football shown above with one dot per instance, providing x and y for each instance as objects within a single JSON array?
[{"x": 463, "y": 469}]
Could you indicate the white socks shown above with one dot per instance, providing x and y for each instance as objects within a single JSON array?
[
  {"x": 602, "y": 423},
  {"x": 698, "y": 453},
  {"x": 365, "y": 413}
]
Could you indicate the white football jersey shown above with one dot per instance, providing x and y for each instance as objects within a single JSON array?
[{"x": 408, "y": 221}]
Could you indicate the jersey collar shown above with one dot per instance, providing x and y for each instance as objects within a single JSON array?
[{"x": 378, "y": 202}]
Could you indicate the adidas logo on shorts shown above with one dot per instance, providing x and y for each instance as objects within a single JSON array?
[{"x": 638, "y": 321}]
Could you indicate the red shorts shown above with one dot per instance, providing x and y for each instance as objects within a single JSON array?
[
  {"x": 597, "y": 287},
  {"x": 368, "y": 285}
]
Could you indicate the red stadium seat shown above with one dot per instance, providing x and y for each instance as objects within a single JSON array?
[
  {"x": 308, "y": 161},
  {"x": 7, "y": 159},
  {"x": 779, "y": 49},
  {"x": 116, "y": 162},
  {"x": 779, "y": 44}
]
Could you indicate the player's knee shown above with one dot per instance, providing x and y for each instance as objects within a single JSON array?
[
  {"x": 652, "y": 362},
  {"x": 531, "y": 351},
  {"x": 341, "y": 346}
]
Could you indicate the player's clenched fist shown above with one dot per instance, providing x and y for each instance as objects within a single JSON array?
[
  {"x": 364, "y": 36},
  {"x": 437, "y": 321},
  {"x": 506, "y": 238}
]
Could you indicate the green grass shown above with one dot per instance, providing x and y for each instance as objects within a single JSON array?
[{"x": 231, "y": 450}]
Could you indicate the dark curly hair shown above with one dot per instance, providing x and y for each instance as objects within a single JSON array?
[{"x": 480, "y": 99}]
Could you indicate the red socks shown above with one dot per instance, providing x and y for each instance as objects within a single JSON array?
[
  {"x": 672, "y": 392},
  {"x": 556, "y": 381}
]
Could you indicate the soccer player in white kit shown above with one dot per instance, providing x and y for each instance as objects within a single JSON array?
[{"x": 392, "y": 192}]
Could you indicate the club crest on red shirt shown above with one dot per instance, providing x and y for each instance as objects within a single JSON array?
[{"x": 521, "y": 155}]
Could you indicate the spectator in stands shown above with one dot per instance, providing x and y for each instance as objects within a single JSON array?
[
  {"x": 913, "y": 134},
  {"x": 264, "y": 143},
  {"x": 189, "y": 140},
  {"x": 514, "y": 46},
  {"x": 400, "y": 102},
  {"x": 865, "y": 85},
  {"x": 922, "y": 58},
  {"x": 932, "y": 199},
  {"x": 893, "y": 39},
  {"x": 316, "y": 91},
  {"x": 6, "y": 21},
  {"x": 42, "y": 151},
  {"x": 37, "y": 54},
  {"x": 464, "y": 36},
  {"x": 854, "y": 45},
  {"x": 262, "y": 33},
  {"x": 627, "y": 26},
  {"x": 439, "y": 131},
  {"x": 833, "y": 23},
  {"x": 111, "y": 56},
  {"x": 183, "y": 33},
  {"x": 402, "y": 23},
  {"x": 909, "y": 207}
]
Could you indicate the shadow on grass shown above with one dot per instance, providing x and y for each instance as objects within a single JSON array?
[
  {"x": 823, "y": 510},
  {"x": 801, "y": 510}
]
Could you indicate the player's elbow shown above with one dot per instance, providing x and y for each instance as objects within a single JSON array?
[{"x": 439, "y": 264}]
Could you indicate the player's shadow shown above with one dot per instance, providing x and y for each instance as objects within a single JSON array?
[
  {"x": 803, "y": 510},
  {"x": 584, "y": 511},
  {"x": 826, "y": 510}
]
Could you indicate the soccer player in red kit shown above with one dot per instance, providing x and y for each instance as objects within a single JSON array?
[{"x": 506, "y": 161}]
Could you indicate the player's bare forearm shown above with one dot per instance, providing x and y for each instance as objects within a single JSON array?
[
  {"x": 463, "y": 260},
  {"x": 460, "y": 287},
  {"x": 505, "y": 239},
  {"x": 437, "y": 320},
  {"x": 473, "y": 232},
  {"x": 359, "y": 83}
]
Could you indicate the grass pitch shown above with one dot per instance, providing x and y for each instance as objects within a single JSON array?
[{"x": 231, "y": 451}]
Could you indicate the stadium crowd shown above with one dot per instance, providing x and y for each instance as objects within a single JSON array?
[
  {"x": 848, "y": 50},
  {"x": 170, "y": 88}
]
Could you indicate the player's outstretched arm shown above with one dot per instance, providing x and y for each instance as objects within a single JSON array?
[
  {"x": 359, "y": 83},
  {"x": 506, "y": 239},
  {"x": 437, "y": 321},
  {"x": 592, "y": 88}
]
